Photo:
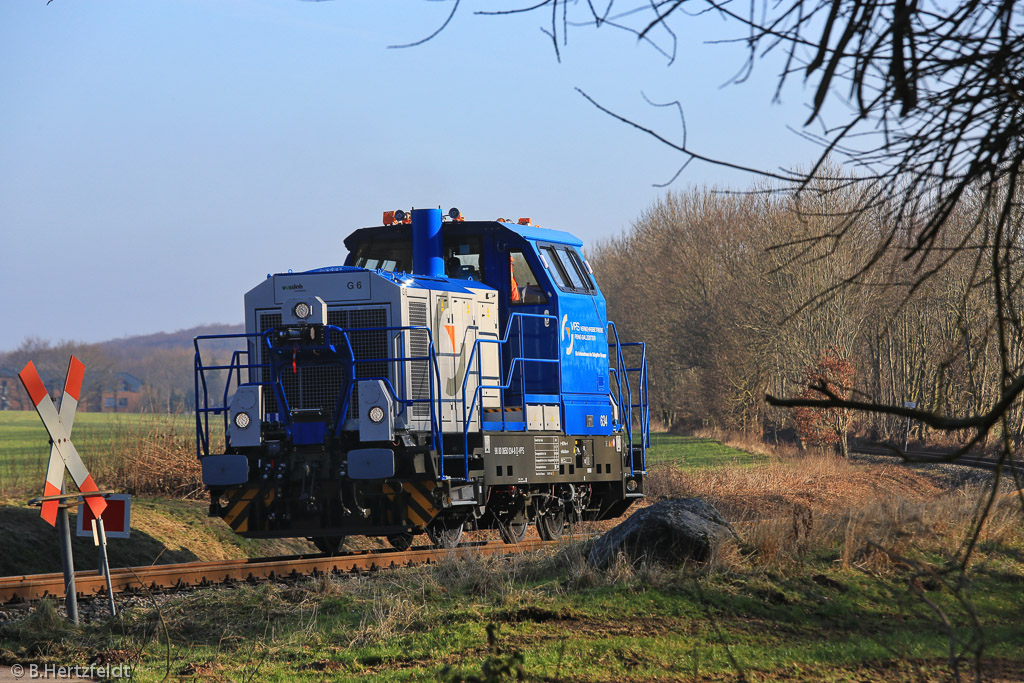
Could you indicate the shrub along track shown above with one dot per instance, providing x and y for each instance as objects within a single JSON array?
[{"x": 198, "y": 574}]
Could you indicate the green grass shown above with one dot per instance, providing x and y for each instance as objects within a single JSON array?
[
  {"x": 100, "y": 438},
  {"x": 555, "y": 619},
  {"x": 691, "y": 452}
]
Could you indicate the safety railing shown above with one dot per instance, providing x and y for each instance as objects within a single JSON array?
[
  {"x": 277, "y": 366},
  {"x": 630, "y": 390},
  {"x": 518, "y": 362},
  {"x": 624, "y": 392},
  {"x": 203, "y": 410}
]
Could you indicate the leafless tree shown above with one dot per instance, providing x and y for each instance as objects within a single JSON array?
[{"x": 933, "y": 121}]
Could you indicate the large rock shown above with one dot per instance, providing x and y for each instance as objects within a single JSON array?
[{"x": 670, "y": 531}]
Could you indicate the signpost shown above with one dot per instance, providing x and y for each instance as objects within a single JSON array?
[
  {"x": 906, "y": 438},
  {"x": 63, "y": 455},
  {"x": 118, "y": 514}
]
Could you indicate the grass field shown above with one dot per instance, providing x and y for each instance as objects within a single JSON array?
[
  {"x": 692, "y": 452},
  {"x": 111, "y": 444}
]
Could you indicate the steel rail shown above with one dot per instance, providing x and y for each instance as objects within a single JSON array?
[
  {"x": 931, "y": 458},
  {"x": 195, "y": 574}
]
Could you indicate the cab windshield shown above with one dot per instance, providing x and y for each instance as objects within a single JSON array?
[
  {"x": 462, "y": 256},
  {"x": 384, "y": 254}
]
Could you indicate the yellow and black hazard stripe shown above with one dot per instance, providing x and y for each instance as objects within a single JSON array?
[
  {"x": 241, "y": 504},
  {"x": 417, "y": 498}
]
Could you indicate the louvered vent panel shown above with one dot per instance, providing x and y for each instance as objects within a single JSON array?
[{"x": 419, "y": 345}]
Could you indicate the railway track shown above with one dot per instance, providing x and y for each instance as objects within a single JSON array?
[
  {"x": 975, "y": 461},
  {"x": 196, "y": 574}
]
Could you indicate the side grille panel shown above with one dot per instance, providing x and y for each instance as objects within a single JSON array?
[{"x": 419, "y": 345}]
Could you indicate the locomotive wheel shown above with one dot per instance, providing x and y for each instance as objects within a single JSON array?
[
  {"x": 551, "y": 523},
  {"x": 513, "y": 532},
  {"x": 444, "y": 536},
  {"x": 400, "y": 541},
  {"x": 329, "y": 545}
]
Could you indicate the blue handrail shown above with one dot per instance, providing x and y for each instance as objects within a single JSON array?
[
  {"x": 621, "y": 373},
  {"x": 203, "y": 409},
  {"x": 623, "y": 391},
  {"x": 515, "y": 362},
  {"x": 199, "y": 378}
]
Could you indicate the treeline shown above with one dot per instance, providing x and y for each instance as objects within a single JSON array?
[
  {"x": 163, "y": 362},
  {"x": 739, "y": 295}
]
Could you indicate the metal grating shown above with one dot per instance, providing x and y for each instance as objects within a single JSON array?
[
  {"x": 365, "y": 345},
  {"x": 267, "y": 321},
  {"x": 419, "y": 345},
  {"x": 319, "y": 386}
]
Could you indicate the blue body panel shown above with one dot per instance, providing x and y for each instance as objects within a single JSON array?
[
  {"x": 588, "y": 415},
  {"x": 532, "y": 232},
  {"x": 308, "y": 433},
  {"x": 583, "y": 343}
]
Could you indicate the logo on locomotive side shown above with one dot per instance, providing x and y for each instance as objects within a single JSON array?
[{"x": 584, "y": 333}]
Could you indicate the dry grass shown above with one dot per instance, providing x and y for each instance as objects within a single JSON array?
[
  {"x": 154, "y": 457},
  {"x": 819, "y": 483},
  {"x": 790, "y": 508},
  {"x": 749, "y": 443}
]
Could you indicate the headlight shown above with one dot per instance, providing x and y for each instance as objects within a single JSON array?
[
  {"x": 376, "y": 414},
  {"x": 631, "y": 485},
  {"x": 242, "y": 420},
  {"x": 302, "y": 310}
]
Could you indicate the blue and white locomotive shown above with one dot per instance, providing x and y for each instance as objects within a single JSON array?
[{"x": 452, "y": 374}]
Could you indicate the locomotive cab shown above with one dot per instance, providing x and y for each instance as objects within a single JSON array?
[
  {"x": 536, "y": 273},
  {"x": 450, "y": 374}
]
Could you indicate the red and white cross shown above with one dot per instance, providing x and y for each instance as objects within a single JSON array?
[{"x": 58, "y": 425}]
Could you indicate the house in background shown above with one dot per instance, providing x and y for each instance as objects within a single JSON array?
[
  {"x": 124, "y": 394},
  {"x": 12, "y": 394},
  {"x": 14, "y": 397}
]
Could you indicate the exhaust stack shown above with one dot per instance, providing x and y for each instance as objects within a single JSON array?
[{"x": 427, "y": 243}]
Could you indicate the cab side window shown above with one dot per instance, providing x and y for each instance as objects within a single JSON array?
[
  {"x": 525, "y": 286},
  {"x": 568, "y": 269},
  {"x": 580, "y": 266}
]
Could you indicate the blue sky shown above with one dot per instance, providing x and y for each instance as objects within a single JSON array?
[{"x": 158, "y": 158}]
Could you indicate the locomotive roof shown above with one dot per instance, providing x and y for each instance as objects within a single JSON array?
[
  {"x": 399, "y": 277},
  {"x": 530, "y": 232}
]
